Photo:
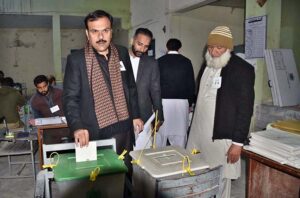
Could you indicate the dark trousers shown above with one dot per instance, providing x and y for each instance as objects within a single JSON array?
[{"x": 124, "y": 141}]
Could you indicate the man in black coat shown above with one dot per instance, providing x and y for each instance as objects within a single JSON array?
[
  {"x": 146, "y": 73},
  {"x": 224, "y": 107},
  {"x": 99, "y": 96},
  {"x": 177, "y": 89}
]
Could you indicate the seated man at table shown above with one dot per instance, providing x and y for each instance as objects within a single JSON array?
[
  {"x": 47, "y": 102},
  {"x": 10, "y": 101}
]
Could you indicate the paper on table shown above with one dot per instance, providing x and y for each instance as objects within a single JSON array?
[
  {"x": 49, "y": 120},
  {"x": 86, "y": 153}
]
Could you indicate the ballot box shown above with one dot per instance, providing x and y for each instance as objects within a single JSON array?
[
  {"x": 161, "y": 173},
  {"x": 71, "y": 179}
]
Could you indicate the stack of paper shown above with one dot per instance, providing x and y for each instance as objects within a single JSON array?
[
  {"x": 283, "y": 77},
  {"x": 280, "y": 146}
]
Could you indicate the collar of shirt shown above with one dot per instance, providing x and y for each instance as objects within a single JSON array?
[
  {"x": 173, "y": 52},
  {"x": 102, "y": 56},
  {"x": 135, "y": 65}
]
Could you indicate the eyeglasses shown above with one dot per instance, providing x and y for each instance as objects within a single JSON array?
[{"x": 105, "y": 31}]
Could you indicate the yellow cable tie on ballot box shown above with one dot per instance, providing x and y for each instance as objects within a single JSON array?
[
  {"x": 135, "y": 162},
  {"x": 155, "y": 130},
  {"x": 122, "y": 156},
  {"x": 195, "y": 151},
  {"x": 94, "y": 174},
  {"x": 188, "y": 168},
  {"x": 52, "y": 164}
]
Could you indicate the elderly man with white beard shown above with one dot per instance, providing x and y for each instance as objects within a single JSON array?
[{"x": 224, "y": 107}]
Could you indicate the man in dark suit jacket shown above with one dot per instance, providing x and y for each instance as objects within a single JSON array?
[
  {"x": 177, "y": 91},
  {"x": 99, "y": 96},
  {"x": 146, "y": 73}
]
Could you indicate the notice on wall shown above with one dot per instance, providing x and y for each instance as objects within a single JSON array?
[{"x": 255, "y": 36}]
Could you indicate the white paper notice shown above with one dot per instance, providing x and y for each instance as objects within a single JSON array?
[
  {"x": 255, "y": 36},
  {"x": 86, "y": 153}
]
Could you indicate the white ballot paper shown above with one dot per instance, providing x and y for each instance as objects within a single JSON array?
[
  {"x": 142, "y": 138},
  {"x": 86, "y": 153}
]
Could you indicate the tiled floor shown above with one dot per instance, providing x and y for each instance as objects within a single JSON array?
[
  {"x": 15, "y": 188},
  {"x": 24, "y": 187}
]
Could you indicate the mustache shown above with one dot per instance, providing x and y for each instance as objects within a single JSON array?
[
  {"x": 136, "y": 51},
  {"x": 101, "y": 41}
]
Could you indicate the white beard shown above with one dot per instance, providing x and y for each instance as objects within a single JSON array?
[{"x": 217, "y": 62}]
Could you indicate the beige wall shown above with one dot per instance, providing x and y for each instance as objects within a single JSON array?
[
  {"x": 193, "y": 27},
  {"x": 50, "y": 50},
  {"x": 290, "y": 29},
  {"x": 26, "y": 53},
  {"x": 152, "y": 15},
  {"x": 72, "y": 39}
]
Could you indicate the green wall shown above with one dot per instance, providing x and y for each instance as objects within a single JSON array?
[
  {"x": 282, "y": 32},
  {"x": 55, "y": 8},
  {"x": 273, "y": 11},
  {"x": 290, "y": 28},
  {"x": 118, "y": 8}
]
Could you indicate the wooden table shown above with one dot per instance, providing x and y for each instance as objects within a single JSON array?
[
  {"x": 40, "y": 132},
  {"x": 268, "y": 178}
]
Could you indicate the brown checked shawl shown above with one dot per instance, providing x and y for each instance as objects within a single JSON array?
[{"x": 109, "y": 110}]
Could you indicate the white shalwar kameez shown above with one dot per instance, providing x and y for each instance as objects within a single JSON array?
[
  {"x": 201, "y": 132},
  {"x": 175, "y": 126}
]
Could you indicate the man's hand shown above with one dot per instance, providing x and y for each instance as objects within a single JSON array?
[
  {"x": 31, "y": 122},
  {"x": 81, "y": 137},
  {"x": 234, "y": 153},
  {"x": 138, "y": 125}
]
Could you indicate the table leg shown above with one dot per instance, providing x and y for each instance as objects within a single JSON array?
[
  {"x": 32, "y": 159},
  {"x": 40, "y": 141}
]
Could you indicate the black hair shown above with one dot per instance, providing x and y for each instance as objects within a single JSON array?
[
  {"x": 174, "y": 44},
  {"x": 1, "y": 73},
  {"x": 144, "y": 31},
  {"x": 39, "y": 79},
  {"x": 8, "y": 81},
  {"x": 93, "y": 16}
]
